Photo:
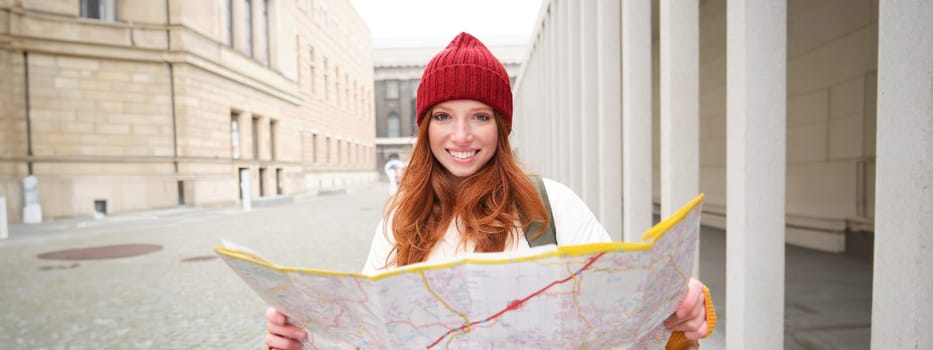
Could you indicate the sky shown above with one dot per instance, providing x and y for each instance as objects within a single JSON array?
[{"x": 410, "y": 22}]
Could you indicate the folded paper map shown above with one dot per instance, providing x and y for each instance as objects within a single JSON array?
[{"x": 591, "y": 296}]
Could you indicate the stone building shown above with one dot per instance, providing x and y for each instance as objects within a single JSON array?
[
  {"x": 803, "y": 122},
  {"x": 121, "y": 105},
  {"x": 398, "y": 68}
]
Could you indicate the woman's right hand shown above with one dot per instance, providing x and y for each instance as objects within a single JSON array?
[{"x": 283, "y": 335}]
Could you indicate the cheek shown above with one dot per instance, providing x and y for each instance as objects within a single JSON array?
[
  {"x": 491, "y": 137},
  {"x": 435, "y": 140},
  {"x": 434, "y": 134}
]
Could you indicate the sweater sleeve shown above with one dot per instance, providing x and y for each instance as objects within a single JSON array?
[
  {"x": 379, "y": 250},
  {"x": 573, "y": 220}
]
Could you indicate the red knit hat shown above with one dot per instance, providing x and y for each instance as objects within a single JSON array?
[{"x": 465, "y": 70}]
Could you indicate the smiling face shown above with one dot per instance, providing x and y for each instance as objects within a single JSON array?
[{"x": 463, "y": 135}]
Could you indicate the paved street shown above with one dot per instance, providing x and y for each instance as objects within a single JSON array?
[
  {"x": 157, "y": 300},
  {"x": 160, "y": 301}
]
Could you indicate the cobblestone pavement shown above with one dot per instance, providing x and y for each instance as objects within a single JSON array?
[{"x": 157, "y": 301}]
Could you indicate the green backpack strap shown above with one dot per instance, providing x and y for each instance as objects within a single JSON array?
[{"x": 549, "y": 236}]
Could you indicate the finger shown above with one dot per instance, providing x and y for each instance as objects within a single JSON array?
[
  {"x": 277, "y": 342},
  {"x": 697, "y": 310},
  {"x": 287, "y": 331},
  {"x": 687, "y": 326},
  {"x": 672, "y": 321},
  {"x": 274, "y": 316},
  {"x": 694, "y": 294},
  {"x": 700, "y": 332}
]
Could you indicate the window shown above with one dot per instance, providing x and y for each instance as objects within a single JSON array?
[
  {"x": 392, "y": 89},
  {"x": 311, "y": 70},
  {"x": 262, "y": 182},
  {"x": 326, "y": 80},
  {"x": 255, "y": 126},
  {"x": 414, "y": 87},
  {"x": 346, "y": 90},
  {"x": 358, "y": 93},
  {"x": 235, "y": 135},
  {"x": 314, "y": 148},
  {"x": 327, "y": 149},
  {"x": 394, "y": 125},
  {"x": 414, "y": 117},
  {"x": 414, "y": 106},
  {"x": 181, "y": 193},
  {"x": 265, "y": 32},
  {"x": 104, "y": 10},
  {"x": 339, "y": 151},
  {"x": 322, "y": 17},
  {"x": 248, "y": 14},
  {"x": 355, "y": 102},
  {"x": 228, "y": 18},
  {"x": 279, "y": 181},
  {"x": 337, "y": 85},
  {"x": 272, "y": 126}
]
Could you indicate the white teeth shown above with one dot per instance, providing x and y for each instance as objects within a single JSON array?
[{"x": 462, "y": 155}]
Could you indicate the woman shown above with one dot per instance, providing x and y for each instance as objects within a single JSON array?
[{"x": 464, "y": 192}]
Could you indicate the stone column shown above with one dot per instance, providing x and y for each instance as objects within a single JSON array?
[
  {"x": 547, "y": 85},
  {"x": 589, "y": 119},
  {"x": 550, "y": 90},
  {"x": 680, "y": 103},
  {"x": 534, "y": 120},
  {"x": 610, "y": 116},
  {"x": 903, "y": 264},
  {"x": 680, "y": 106},
  {"x": 556, "y": 93},
  {"x": 636, "y": 117},
  {"x": 574, "y": 117},
  {"x": 541, "y": 127},
  {"x": 563, "y": 98},
  {"x": 755, "y": 172}
]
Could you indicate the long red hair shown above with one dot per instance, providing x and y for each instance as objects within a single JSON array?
[{"x": 487, "y": 204}]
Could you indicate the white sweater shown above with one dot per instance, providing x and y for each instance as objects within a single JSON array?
[{"x": 573, "y": 221}]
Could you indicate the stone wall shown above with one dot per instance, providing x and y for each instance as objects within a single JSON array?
[
  {"x": 137, "y": 111},
  {"x": 831, "y": 83}
]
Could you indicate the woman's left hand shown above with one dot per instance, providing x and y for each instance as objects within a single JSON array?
[{"x": 690, "y": 316}]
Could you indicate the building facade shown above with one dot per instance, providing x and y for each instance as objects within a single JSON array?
[
  {"x": 778, "y": 111},
  {"x": 121, "y": 105},
  {"x": 398, "y": 71}
]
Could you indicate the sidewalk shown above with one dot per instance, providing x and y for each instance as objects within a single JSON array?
[
  {"x": 153, "y": 218},
  {"x": 178, "y": 296},
  {"x": 827, "y": 296}
]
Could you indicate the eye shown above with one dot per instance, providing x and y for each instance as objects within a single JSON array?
[
  {"x": 441, "y": 116},
  {"x": 482, "y": 117}
]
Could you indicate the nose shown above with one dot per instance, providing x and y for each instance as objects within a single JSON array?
[{"x": 462, "y": 134}]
